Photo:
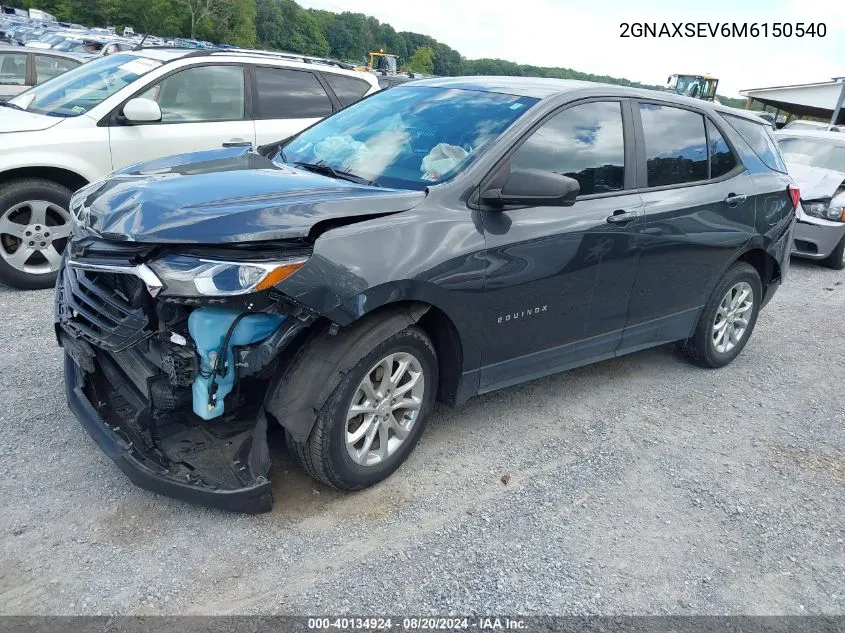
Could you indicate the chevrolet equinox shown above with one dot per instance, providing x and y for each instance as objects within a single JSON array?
[{"x": 434, "y": 241}]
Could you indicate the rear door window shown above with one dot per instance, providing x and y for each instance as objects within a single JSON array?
[
  {"x": 347, "y": 89},
  {"x": 675, "y": 145},
  {"x": 290, "y": 94},
  {"x": 760, "y": 138},
  {"x": 13, "y": 69}
]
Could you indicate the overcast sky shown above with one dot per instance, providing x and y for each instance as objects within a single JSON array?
[{"x": 585, "y": 36}]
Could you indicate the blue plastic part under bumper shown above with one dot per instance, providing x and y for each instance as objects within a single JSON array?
[{"x": 253, "y": 499}]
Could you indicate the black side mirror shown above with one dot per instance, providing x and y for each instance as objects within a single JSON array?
[{"x": 534, "y": 187}]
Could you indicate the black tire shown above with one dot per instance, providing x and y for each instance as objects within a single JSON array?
[
  {"x": 836, "y": 259},
  {"x": 700, "y": 348},
  {"x": 324, "y": 456},
  {"x": 14, "y": 193}
]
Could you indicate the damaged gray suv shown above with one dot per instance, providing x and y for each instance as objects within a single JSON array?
[{"x": 434, "y": 241}]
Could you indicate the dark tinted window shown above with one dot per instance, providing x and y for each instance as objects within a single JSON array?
[
  {"x": 722, "y": 159},
  {"x": 760, "y": 138},
  {"x": 675, "y": 145},
  {"x": 585, "y": 142},
  {"x": 290, "y": 94},
  {"x": 347, "y": 89}
]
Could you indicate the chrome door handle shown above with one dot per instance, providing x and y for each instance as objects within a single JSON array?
[
  {"x": 620, "y": 216},
  {"x": 734, "y": 199}
]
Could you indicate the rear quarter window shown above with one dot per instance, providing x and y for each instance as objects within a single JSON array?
[
  {"x": 347, "y": 89},
  {"x": 290, "y": 94},
  {"x": 759, "y": 137}
]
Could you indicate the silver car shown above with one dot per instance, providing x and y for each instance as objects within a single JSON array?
[
  {"x": 21, "y": 68},
  {"x": 816, "y": 161}
]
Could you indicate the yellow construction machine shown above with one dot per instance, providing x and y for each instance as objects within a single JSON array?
[
  {"x": 381, "y": 62},
  {"x": 696, "y": 86}
]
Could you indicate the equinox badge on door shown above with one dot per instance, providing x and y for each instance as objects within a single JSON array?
[{"x": 521, "y": 315}]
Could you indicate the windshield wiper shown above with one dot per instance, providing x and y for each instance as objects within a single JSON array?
[
  {"x": 327, "y": 170},
  {"x": 14, "y": 106}
]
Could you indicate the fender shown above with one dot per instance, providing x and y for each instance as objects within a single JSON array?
[
  {"x": 324, "y": 360},
  {"x": 40, "y": 159},
  {"x": 346, "y": 311}
]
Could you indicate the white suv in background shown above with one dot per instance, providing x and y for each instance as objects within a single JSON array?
[{"x": 135, "y": 106}]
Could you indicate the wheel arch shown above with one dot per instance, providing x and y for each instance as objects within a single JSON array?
[
  {"x": 65, "y": 177},
  {"x": 766, "y": 265},
  {"x": 298, "y": 390},
  {"x": 444, "y": 335},
  {"x": 453, "y": 341}
]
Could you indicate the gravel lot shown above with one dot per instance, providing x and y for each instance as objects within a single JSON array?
[{"x": 641, "y": 485}]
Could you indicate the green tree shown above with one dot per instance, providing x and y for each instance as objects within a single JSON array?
[
  {"x": 284, "y": 25},
  {"x": 197, "y": 11},
  {"x": 422, "y": 61},
  {"x": 232, "y": 22},
  {"x": 342, "y": 39},
  {"x": 447, "y": 61}
]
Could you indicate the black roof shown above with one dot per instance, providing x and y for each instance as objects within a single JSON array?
[
  {"x": 536, "y": 87},
  {"x": 546, "y": 87}
]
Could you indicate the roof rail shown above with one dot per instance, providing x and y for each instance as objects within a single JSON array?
[{"x": 305, "y": 59}]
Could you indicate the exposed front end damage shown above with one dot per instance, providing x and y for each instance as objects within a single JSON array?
[
  {"x": 142, "y": 376},
  {"x": 176, "y": 331}
]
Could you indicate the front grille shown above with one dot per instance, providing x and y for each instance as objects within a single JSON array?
[
  {"x": 103, "y": 308},
  {"x": 126, "y": 286}
]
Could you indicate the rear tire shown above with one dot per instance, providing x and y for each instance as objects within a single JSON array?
[
  {"x": 330, "y": 457},
  {"x": 728, "y": 318},
  {"x": 35, "y": 227},
  {"x": 836, "y": 259}
]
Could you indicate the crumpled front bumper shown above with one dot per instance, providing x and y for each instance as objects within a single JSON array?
[
  {"x": 816, "y": 239},
  {"x": 147, "y": 473}
]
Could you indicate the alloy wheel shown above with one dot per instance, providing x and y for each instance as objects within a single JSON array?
[
  {"x": 384, "y": 408},
  {"x": 732, "y": 317},
  {"x": 33, "y": 235}
]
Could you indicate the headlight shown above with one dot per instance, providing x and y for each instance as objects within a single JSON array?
[
  {"x": 823, "y": 209},
  {"x": 187, "y": 276}
]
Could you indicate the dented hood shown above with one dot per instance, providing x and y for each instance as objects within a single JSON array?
[
  {"x": 224, "y": 196},
  {"x": 815, "y": 183}
]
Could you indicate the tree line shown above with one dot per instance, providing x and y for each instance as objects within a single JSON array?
[{"x": 284, "y": 25}]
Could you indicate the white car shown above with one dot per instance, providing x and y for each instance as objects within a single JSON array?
[
  {"x": 818, "y": 126},
  {"x": 134, "y": 106},
  {"x": 816, "y": 160}
]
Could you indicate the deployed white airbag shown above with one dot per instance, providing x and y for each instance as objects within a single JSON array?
[{"x": 442, "y": 159}]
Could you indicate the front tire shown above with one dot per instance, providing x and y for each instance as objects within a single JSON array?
[
  {"x": 728, "y": 318},
  {"x": 375, "y": 416},
  {"x": 35, "y": 226}
]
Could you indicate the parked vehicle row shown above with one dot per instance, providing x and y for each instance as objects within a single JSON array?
[
  {"x": 437, "y": 240},
  {"x": 42, "y": 33}
]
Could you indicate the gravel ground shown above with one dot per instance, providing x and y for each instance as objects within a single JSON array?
[{"x": 641, "y": 485}]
